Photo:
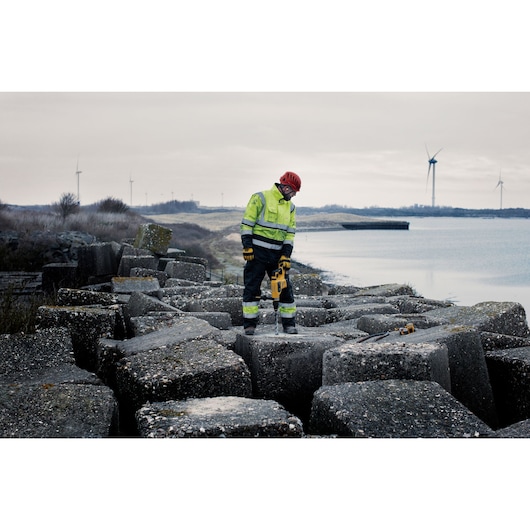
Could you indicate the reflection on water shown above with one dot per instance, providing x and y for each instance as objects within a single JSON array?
[{"x": 463, "y": 260}]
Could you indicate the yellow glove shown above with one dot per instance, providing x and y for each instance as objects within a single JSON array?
[
  {"x": 285, "y": 263},
  {"x": 248, "y": 254}
]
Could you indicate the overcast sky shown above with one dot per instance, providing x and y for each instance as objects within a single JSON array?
[
  {"x": 216, "y": 111},
  {"x": 353, "y": 149}
]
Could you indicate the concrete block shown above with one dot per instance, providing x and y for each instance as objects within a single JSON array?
[
  {"x": 386, "y": 290},
  {"x": 75, "y": 297},
  {"x": 392, "y": 409},
  {"x": 218, "y": 319},
  {"x": 470, "y": 382},
  {"x": 507, "y": 318},
  {"x": 153, "y": 237},
  {"x": 496, "y": 341},
  {"x": 509, "y": 372},
  {"x": 520, "y": 429},
  {"x": 129, "y": 262},
  {"x": 98, "y": 260},
  {"x": 380, "y": 323},
  {"x": 37, "y": 410},
  {"x": 154, "y": 321},
  {"x": 195, "y": 272},
  {"x": 25, "y": 357},
  {"x": 286, "y": 368},
  {"x": 140, "y": 304},
  {"x": 310, "y": 284},
  {"x": 373, "y": 361},
  {"x": 196, "y": 368},
  {"x": 128, "y": 285},
  {"x": 232, "y": 306},
  {"x": 141, "y": 272},
  {"x": 355, "y": 311},
  {"x": 110, "y": 352},
  {"x": 57, "y": 275},
  {"x": 345, "y": 329},
  {"x": 218, "y": 417},
  {"x": 86, "y": 324},
  {"x": 309, "y": 317}
]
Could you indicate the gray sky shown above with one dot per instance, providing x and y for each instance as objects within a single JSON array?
[
  {"x": 210, "y": 102},
  {"x": 354, "y": 149}
]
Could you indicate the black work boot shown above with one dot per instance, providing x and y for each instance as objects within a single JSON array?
[{"x": 289, "y": 326}]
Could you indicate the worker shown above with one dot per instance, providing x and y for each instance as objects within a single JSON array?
[{"x": 267, "y": 235}]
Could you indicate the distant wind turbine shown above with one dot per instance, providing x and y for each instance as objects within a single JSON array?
[
  {"x": 432, "y": 163},
  {"x": 77, "y": 172},
  {"x": 501, "y": 184},
  {"x": 131, "y": 183}
]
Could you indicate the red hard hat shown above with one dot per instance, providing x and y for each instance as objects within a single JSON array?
[{"x": 292, "y": 180}]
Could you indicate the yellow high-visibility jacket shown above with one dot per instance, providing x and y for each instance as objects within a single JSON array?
[{"x": 269, "y": 221}]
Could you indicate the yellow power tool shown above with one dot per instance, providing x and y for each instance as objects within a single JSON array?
[{"x": 278, "y": 283}]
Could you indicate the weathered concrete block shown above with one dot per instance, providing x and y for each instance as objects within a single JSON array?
[
  {"x": 22, "y": 355},
  {"x": 520, "y": 429},
  {"x": 309, "y": 317},
  {"x": 154, "y": 321},
  {"x": 343, "y": 289},
  {"x": 87, "y": 324},
  {"x": 345, "y": 329},
  {"x": 129, "y": 262},
  {"x": 509, "y": 372},
  {"x": 392, "y": 409},
  {"x": 232, "y": 306},
  {"x": 387, "y": 290},
  {"x": 98, "y": 260},
  {"x": 496, "y": 341},
  {"x": 57, "y": 275},
  {"x": 75, "y": 297},
  {"x": 140, "y": 272},
  {"x": 218, "y": 417},
  {"x": 37, "y": 410},
  {"x": 197, "y": 368},
  {"x": 470, "y": 382},
  {"x": 141, "y": 304},
  {"x": 218, "y": 319},
  {"x": 416, "y": 304},
  {"x": 153, "y": 237},
  {"x": 310, "y": 284},
  {"x": 358, "y": 310},
  {"x": 195, "y": 272},
  {"x": 126, "y": 284},
  {"x": 285, "y": 368},
  {"x": 507, "y": 318},
  {"x": 374, "y": 361},
  {"x": 380, "y": 323},
  {"x": 110, "y": 352}
]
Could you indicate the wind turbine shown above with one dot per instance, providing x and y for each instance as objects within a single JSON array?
[
  {"x": 77, "y": 172},
  {"x": 501, "y": 184},
  {"x": 432, "y": 163},
  {"x": 131, "y": 183}
]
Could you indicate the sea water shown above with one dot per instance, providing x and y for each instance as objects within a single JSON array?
[{"x": 463, "y": 260}]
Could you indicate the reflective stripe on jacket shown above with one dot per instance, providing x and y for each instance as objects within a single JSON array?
[{"x": 269, "y": 219}]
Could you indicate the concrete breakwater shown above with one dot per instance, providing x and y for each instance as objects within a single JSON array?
[{"x": 142, "y": 343}]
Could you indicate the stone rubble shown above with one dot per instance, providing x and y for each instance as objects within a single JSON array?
[{"x": 141, "y": 343}]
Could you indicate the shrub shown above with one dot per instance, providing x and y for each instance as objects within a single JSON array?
[
  {"x": 67, "y": 205},
  {"x": 112, "y": 205}
]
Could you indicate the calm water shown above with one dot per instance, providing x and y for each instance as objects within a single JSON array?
[{"x": 463, "y": 260}]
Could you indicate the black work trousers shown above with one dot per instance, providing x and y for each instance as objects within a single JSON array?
[{"x": 266, "y": 262}]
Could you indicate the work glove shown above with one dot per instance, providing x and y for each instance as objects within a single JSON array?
[
  {"x": 285, "y": 263},
  {"x": 248, "y": 254}
]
